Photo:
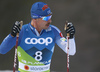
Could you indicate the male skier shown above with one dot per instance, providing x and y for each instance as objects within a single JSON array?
[{"x": 37, "y": 40}]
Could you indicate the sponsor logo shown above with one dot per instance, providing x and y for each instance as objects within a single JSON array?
[
  {"x": 44, "y": 62},
  {"x": 35, "y": 16},
  {"x": 48, "y": 11},
  {"x": 40, "y": 68},
  {"x": 32, "y": 68},
  {"x": 45, "y": 41},
  {"x": 63, "y": 39},
  {"x": 44, "y": 7},
  {"x": 26, "y": 67},
  {"x": 35, "y": 63},
  {"x": 15, "y": 58}
]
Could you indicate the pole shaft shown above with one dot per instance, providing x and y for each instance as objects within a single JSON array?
[
  {"x": 67, "y": 52},
  {"x": 15, "y": 56}
]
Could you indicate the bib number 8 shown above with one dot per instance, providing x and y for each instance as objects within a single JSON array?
[{"x": 38, "y": 56}]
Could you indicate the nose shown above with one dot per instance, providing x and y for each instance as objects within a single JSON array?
[{"x": 49, "y": 21}]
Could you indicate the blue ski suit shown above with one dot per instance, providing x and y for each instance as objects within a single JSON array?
[{"x": 35, "y": 50}]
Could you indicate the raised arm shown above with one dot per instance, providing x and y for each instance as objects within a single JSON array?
[
  {"x": 10, "y": 40},
  {"x": 62, "y": 42}
]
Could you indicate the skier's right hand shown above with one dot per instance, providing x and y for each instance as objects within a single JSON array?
[{"x": 15, "y": 28}]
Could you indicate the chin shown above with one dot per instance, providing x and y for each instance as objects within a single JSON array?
[{"x": 46, "y": 27}]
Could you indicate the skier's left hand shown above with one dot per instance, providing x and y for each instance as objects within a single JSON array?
[{"x": 70, "y": 29}]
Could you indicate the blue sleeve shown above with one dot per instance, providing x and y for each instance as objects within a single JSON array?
[
  {"x": 57, "y": 33},
  {"x": 7, "y": 44}
]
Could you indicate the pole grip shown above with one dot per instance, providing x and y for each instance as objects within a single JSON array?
[
  {"x": 68, "y": 35},
  {"x": 21, "y": 23},
  {"x": 66, "y": 28}
]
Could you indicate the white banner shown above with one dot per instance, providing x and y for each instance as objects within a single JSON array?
[{"x": 34, "y": 68}]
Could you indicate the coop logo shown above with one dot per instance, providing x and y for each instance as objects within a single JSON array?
[{"x": 45, "y": 41}]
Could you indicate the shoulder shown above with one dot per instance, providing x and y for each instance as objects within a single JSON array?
[
  {"x": 54, "y": 28},
  {"x": 25, "y": 26},
  {"x": 56, "y": 31}
]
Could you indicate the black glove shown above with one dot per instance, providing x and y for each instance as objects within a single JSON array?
[
  {"x": 15, "y": 28},
  {"x": 70, "y": 30}
]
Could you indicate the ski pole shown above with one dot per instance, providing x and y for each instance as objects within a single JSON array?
[
  {"x": 67, "y": 46},
  {"x": 15, "y": 56}
]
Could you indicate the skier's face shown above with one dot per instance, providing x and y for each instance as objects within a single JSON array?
[{"x": 43, "y": 23}]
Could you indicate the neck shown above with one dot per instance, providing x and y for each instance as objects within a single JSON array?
[{"x": 35, "y": 25}]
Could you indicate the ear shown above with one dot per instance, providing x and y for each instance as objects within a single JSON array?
[{"x": 34, "y": 20}]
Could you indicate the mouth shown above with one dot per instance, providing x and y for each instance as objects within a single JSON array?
[{"x": 48, "y": 24}]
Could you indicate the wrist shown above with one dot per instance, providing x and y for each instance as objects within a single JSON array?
[{"x": 12, "y": 35}]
